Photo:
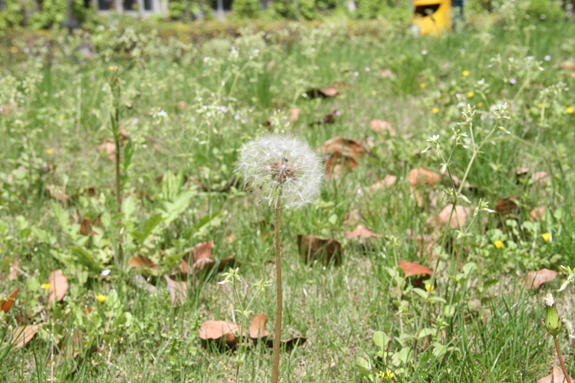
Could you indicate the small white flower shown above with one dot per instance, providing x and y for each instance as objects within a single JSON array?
[
  {"x": 356, "y": 74},
  {"x": 367, "y": 69},
  {"x": 547, "y": 58},
  {"x": 424, "y": 52},
  {"x": 285, "y": 168},
  {"x": 513, "y": 81}
]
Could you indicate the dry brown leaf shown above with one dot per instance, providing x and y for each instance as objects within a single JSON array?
[
  {"x": 109, "y": 149},
  {"x": 182, "y": 105},
  {"x": 347, "y": 147},
  {"x": 86, "y": 227},
  {"x": 288, "y": 344},
  {"x": 507, "y": 205},
  {"x": 5, "y": 305},
  {"x": 258, "y": 327},
  {"x": 381, "y": 126},
  {"x": 57, "y": 193},
  {"x": 387, "y": 181},
  {"x": 540, "y": 178},
  {"x": 538, "y": 213},
  {"x": 69, "y": 346},
  {"x": 312, "y": 248},
  {"x": 294, "y": 115},
  {"x": 219, "y": 330},
  {"x": 226, "y": 263},
  {"x": 443, "y": 218},
  {"x": 323, "y": 93},
  {"x": 178, "y": 290},
  {"x": 567, "y": 65},
  {"x": 24, "y": 334},
  {"x": 361, "y": 232},
  {"x": 139, "y": 261},
  {"x": 337, "y": 165},
  {"x": 59, "y": 286},
  {"x": 352, "y": 217},
  {"x": 556, "y": 376},
  {"x": 139, "y": 281},
  {"x": 412, "y": 268},
  {"x": 328, "y": 118},
  {"x": 535, "y": 279},
  {"x": 202, "y": 250},
  {"x": 385, "y": 73},
  {"x": 521, "y": 171},
  {"x": 13, "y": 275},
  {"x": 422, "y": 176}
]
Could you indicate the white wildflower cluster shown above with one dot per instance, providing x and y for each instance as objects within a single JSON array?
[{"x": 285, "y": 168}]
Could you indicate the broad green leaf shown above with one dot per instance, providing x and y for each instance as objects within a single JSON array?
[{"x": 380, "y": 339}]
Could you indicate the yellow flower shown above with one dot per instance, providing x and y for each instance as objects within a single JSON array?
[
  {"x": 546, "y": 237},
  {"x": 470, "y": 94},
  {"x": 100, "y": 298},
  {"x": 465, "y": 73},
  {"x": 435, "y": 110},
  {"x": 570, "y": 110},
  {"x": 46, "y": 286},
  {"x": 61, "y": 118},
  {"x": 429, "y": 287},
  {"x": 480, "y": 104},
  {"x": 112, "y": 67},
  {"x": 387, "y": 375},
  {"x": 13, "y": 50},
  {"x": 422, "y": 85},
  {"x": 498, "y": 244},
  {"x": 541, "y": 105},
  {"x": 374, "y": 92},
  {"x": 50, "y": 152}
]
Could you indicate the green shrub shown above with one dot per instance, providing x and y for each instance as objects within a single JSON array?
[
  {"x": 285, "y": 8},
  {"x": 11, "y": 15},
  {"x": 246, "y": 9},
  {"x": 308, "y": 9}
]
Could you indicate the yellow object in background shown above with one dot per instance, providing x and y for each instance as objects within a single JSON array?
[{"x": 432, "y": 16}]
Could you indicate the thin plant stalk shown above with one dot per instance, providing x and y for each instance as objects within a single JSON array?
[
  {"x": 115, "y": 122},
  {"x": 567, "y": 378},
  {"x": 278, "y": 330}
]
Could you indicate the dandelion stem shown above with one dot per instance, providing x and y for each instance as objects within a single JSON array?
[
  {"x": 278, "y": 332},
  {"x": 567, "y": 378}
]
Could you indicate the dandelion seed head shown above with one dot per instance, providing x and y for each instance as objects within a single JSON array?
[{"x": 284, "y": 167}]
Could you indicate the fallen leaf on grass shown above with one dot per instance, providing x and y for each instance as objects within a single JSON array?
[
  {"x": 422, "y": 176},
  {"x": 312, "y": 248},
  {"x": 59, "y": 286},
  {"x": 386, "y": 182},
  {"x": 352, "y": 217},
  {"x": 323, "y": 93},
  {"x": 540, "y": 178},
  {"x": 381, "y": 126},
  {"x": 347, "y": 147},
  {"x": 139, "y": 261},
  {"x": 202, "y": 250},
  {"x": 443, "y": 218},
  {"x": 385, "y": 73},
  {"x": 178, "y": 290},
  {"x": 13, "y": 275},
  {"x": 338, "y": 164},
  {"x": 258, "y": 327},
  {"x": 86, "y": 227},
  {"x": 109, "y": 149},
  {"x": 535, "y": 279},
  {"x": 328, "y": 118},
  {"x": 289, "y": 344},
  {"x": 24, "y": 334},
  {"x": 556, "y": 376},
  {"x": 538, "y": 213},
  {"x": 412, "y": 268},
  {"x": 507, "y": 205},
  {"x": 219, "y": 330},
  {"x": 57, "y": 193},
  {"x": 567, "y": 65},
  {"x": 294, "y": 115},
  {"x": 361, "y": 232},
  {"x": 5, "y": 305},
  {"x": 139, "y": 281}
]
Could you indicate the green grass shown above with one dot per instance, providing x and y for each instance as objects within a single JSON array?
[{"x": 338, "y": 308}]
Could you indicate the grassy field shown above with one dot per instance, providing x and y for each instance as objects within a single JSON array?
[{"x": 134, "y": 298}]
